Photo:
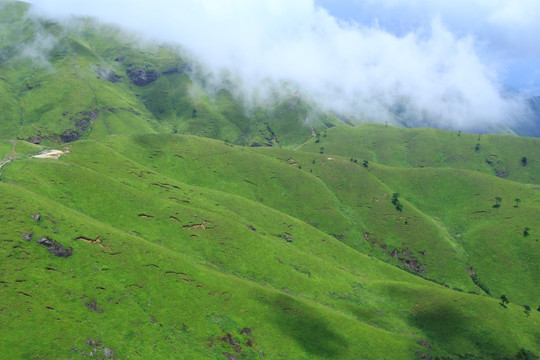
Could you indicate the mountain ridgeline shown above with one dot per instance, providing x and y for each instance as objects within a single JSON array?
[
  {"x": 61, "y": 83},
  {"x": 84, "y": 80},
  {"x": 143, "y": 215}
]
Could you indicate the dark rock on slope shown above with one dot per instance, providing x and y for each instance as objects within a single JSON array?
[
  {"x": 142, "y": 77},
  {"x": 69, "y": 136},
  {"x": 54, "y": 247}
]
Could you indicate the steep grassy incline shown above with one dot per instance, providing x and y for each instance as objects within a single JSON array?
[
  {"x": 339, "y": 198},
  {"x": 120, "y": 293},
  {"x": 85, "y": 80},
  {"x": 353, "y": 204},
  {"x": 240, "y": 171},
  {"x": 165, "y": 266},
  {"x": 494, "y": 244},
  {"x": 501, "y": 241},
  {"x": 510, "y": 157},
  {"x": 409, "y": 238}
]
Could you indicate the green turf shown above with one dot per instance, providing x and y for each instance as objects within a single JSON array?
[
  {"x": 497, "y": 155},
  {"x": 156, "y": 195},
  {"x": 203, "y": 228}
]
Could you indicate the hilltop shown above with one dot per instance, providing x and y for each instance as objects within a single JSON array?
[
  {"x": 85, "y": 80},
  {"x": 63, "y": 81}
]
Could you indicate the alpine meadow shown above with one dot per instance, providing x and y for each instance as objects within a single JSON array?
[{"x": 146, "y": 213}]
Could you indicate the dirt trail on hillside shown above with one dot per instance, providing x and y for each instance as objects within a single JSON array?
[
  {"x": 51, "y": 154},
  {"x": 11, "y": 155},
  {"x": 313, "y": 134},
  {"x": 2, "y": 163},
  {"x": 46, "y": 154}
]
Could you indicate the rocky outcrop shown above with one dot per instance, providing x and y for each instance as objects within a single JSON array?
[
  {"x": 142, "y": 77},
  {"x": 408, "y": 259},
  {"x": 85, "y": 119},
  {"x": 54, "y": 247},
  {"x": 83, "y": 124},
  {"x": 36, "y": 139},
  {"x": 45, "y": 241},
  {"x": 28, "y": 236},
  {"x": 59, "y": 250},
  {"x": 70, "y": 135}
]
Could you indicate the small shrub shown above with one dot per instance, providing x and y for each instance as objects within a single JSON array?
[
  {"x": 396, "y": 203},
  {"x": 504, "y": 300}
]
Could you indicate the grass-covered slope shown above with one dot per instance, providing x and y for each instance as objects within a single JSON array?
[
  {"x": 174, "y": 254},
  {"x": 448, "y": 228},
  {"x": 367, "y": 242},
  {"x": 144, "y": 300},
  {"x": 501, "y": 241},
  {"x": 510, "y": 157}
]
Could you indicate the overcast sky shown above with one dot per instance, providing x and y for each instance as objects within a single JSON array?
[{"x": 453, "y": 60}]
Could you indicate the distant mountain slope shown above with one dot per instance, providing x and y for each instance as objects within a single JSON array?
[
  {"x": 85, "y": 80},
  {"x": 509, "y": 157}
]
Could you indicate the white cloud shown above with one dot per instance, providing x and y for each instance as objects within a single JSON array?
[{"x": 345, "y": 67}]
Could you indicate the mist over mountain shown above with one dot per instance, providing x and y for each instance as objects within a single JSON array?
[{"x": 429, "y": 74}]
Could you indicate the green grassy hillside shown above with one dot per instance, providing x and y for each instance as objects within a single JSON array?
[
  {"x": 143, "y": 215},
  {"x": 446, "y": 213},
  {"x": 509, "y": 157},
  {"x": 493, "y": 237},
  {"x": 138, "y": 209}
]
